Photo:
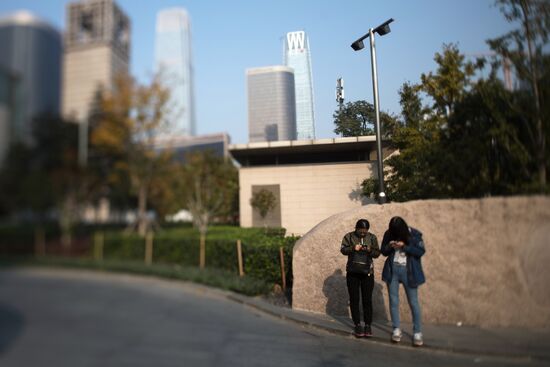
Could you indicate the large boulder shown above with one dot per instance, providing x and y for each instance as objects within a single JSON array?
[{"x": 487, "y": 261}]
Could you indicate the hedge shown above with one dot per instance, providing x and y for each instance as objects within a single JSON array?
[{"x": 178, "y": 245}]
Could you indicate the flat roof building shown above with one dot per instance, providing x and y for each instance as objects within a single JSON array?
[
  {"x": 182, "y": 145},
  {"x": 310, "y": 179}
]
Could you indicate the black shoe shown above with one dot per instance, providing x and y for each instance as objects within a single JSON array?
[
  {"x": 368, "y": 331},
  {"x": 358, "y": 331}
]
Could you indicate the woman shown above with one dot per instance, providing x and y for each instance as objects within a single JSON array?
[
  {"x": 404, "y": 247},
  {"x": 360, "y": 247}
]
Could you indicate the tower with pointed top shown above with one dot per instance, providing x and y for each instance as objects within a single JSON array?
[{"x": 297, "y": 55}]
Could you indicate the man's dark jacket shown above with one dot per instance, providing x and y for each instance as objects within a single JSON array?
[
  {"x": 414, "y": 250},
  {"x": 361, "y": 258}
]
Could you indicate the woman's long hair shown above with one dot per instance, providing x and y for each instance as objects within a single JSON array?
[{"x": 399, "y": 230}]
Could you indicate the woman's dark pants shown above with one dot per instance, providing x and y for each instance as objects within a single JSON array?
[{"x": 364, "y": 284}]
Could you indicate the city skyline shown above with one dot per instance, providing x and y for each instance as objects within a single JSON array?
[
  {"x": 228, "y": 38},
  {"x": 297, "y": 55},
  {"x": 173, "y": 57}
]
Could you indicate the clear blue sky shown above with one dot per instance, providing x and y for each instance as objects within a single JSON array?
[{"x": 231, "y": 36}]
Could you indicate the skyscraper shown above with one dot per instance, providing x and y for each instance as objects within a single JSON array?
[
  {"x": 297, "y": 56},
  {"x": 30, "y": 64},
  {"x": 97, "y": 48},
  {"x": 173, "y": 58},
  {"x": 271, "y": 104}
]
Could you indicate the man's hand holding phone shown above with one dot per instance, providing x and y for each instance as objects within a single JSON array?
[{"x": 397, "y": 244}]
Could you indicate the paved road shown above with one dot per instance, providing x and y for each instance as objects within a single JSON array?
[{"x": 67, "y": 318}]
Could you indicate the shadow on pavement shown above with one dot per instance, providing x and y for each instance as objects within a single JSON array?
[
  {"x": 11, "y": 325},
  {"x": 335, "y": 289}
]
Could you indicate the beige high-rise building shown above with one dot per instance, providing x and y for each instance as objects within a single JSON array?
[{"x": 97, "y": 48}]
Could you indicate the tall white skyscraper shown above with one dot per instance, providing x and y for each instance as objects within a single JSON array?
[
  {"x": 298, "y": 57},
  {"x": 173, "y": 57}
]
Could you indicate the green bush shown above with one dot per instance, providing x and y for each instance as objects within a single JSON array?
[
  {"x": 213, "y": 277},
  {"x": 261, "y": 259},
  {"x": 177, "y": 246}
]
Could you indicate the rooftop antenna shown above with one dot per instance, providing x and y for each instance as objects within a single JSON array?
[{"x": 340, "y": 93}]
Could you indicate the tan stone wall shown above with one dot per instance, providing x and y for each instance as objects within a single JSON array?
[
  {"x": 487, "y": 261},
  {"x": 310, "y": 193}
]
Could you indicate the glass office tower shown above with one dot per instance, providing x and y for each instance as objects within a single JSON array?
[
  {"x": 271, "y": 104},
  {"x": 173, "y": 58},
  {"x": 297, "y": 56},
  {"x": 30, "y": 56}
]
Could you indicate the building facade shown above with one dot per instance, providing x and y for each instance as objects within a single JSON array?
[
  {"x": 297, "y": 55},
  {"x": 183, "y": 145},
  {"x": 30, "y": 58},
  {"x": 97, "y": 49},
  {"x": 173, "y": 58},
  {"x": 310, "y": 179},
  {"x": 271, "y": 104}
]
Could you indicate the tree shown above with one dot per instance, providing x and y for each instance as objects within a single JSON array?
[
  {"x": 525, "y": 48},
  {"x": 264, "y": 201},
  {"x": 46, "y": 174},
  {"x": 451, "y": 81},
  {"x": 207, "y": 187},
  {"x": 419, "y": 170},
  {"x": 486, "y": 153},
  {"x": 129, "y": 119},
  {"x": 358, "y": 119}
]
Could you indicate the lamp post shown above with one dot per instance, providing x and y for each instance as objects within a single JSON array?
[{"x": 382, "y": 29}]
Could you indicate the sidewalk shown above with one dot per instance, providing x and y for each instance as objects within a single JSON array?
[{"x": 496, "y": 342}]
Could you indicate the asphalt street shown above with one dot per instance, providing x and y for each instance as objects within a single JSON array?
[{"x": 70, "y": 318}]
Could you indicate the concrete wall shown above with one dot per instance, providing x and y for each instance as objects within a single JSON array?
[
  {"x": 309, "y": 192},
  {"x": 487, "y": 261}
]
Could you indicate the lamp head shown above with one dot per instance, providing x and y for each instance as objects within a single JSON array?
[
  {"x": 358, "y": 45},
  {"x": 384, "y": 28}
]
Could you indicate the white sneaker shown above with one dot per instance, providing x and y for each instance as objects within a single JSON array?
[
  {"x": 396, "y": 335},
  {"x": 417, "y": 339}
]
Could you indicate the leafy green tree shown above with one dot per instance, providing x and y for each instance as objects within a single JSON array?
[
  {"x": 129, "y": 119},
  {"x": 207, "y": 188},
  {"x": 485, "y": 152},
  {"x": 525, "y": 47},
  {"x": 451, "y": 81},
  {"x": 264, "y": 201},
  {"x": 420, "y": 168},
  {"x": 46, "y": 174},
  {"x": 358, "y": 119}
]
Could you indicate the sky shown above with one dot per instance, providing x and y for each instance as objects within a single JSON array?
[{"x": 230, "y": 36}]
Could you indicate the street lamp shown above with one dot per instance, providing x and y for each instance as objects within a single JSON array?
[{"x": 382, "y": 29}]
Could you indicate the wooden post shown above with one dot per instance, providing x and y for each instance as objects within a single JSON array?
[
  {"x": 283, "y": 275},
  {"x": 149, "y": 248},
  {"x": 240, "y": 258},
  {"x": 39, "y": 242},
  {"x": 202, "y": 251},
  {"x": 98, "y": 246}
]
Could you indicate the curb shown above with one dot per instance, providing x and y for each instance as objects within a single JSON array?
[{"x": 341, "y": 330}]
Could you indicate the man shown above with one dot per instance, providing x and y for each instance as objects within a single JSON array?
[{"x": 361, "y": 247}]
